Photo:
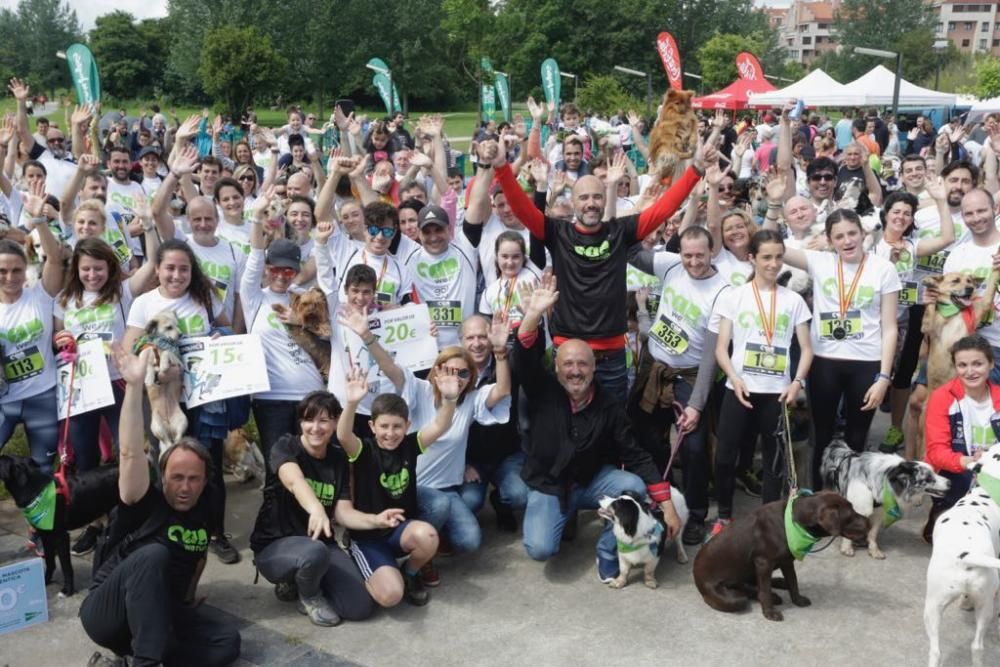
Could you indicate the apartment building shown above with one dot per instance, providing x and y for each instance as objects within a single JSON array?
[
  {"x": 805, "y": 28},
  {"x": 972, "y": 27}
]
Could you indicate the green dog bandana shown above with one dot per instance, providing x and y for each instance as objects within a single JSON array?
[
  {"x": 800, "y": 541},
  {"x": 991, "y": 484},
  {"x": 890, "y": 507},
  {"x": 41, "y": 512}
]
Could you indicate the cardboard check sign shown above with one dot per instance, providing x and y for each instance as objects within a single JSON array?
[
  {"x": 405, "y": 333},
  {"x": 220, "y": 368}
]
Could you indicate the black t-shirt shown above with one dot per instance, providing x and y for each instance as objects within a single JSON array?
[
  {"x": 385, "y": 478},
  {"x": 591, "y": 273},
  {"x": 281, "y": 515},
  {"x": 845, "y": 178},
  {"x": 185, "y": 534}
]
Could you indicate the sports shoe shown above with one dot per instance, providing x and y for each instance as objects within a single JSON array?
[
  {"x": 719, "y": 526},
  {"x": 892, "y": 442},
  {"x": 607, "y": 570},
  {"x": 86, "y": 542},
  {"x": 100, "y": 660},
  {"x": 694, "y": 532},
  {"x": 749, "y": 481},
  {"x": 319, "y": 611},
  {"x": 286, "y": 591},
  {"x": 225, "y": 551},
  {"x": 415, "y": 592},
  {"x": 429, "y": 574},
  {"x": 506, "y": 521}
]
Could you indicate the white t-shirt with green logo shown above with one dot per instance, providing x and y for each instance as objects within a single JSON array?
[
  {"x": 677, "y": 333},
  {"x": 506, "y": 293},
  {"x": 290, "y": 370},
  {"x": 735, "y": 271},
  {"x": 905, "y": 268},
  {"x": 763, "y": 367},
  {"x": 106, "y": 321},
  {"x": 447, "y": 284},
  {"x": 192, "y": 318},
  {"x": 861, "y": 324},
  {"x": 976, "y": 423},
  {"x": 928, "y": 226},
  {"x": 223, "y": 265},
  {"x": 121, "y": 207},
  {"x": 26, "y": 343},
  {"x": 969, "y": 258},
  {"x": 238, "y": 235},
  {"x": 393, "y": 279}
]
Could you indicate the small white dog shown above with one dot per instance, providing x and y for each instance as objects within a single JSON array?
[
  {"x": 167, "y": 422},
  {"x": 964, "y": 562},
  {"x": 641, "y": 536}
]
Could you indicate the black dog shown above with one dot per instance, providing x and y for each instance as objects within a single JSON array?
[{"x": 92, "y": 494}]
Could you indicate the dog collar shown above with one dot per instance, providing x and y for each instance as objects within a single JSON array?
[
  {"x": 654, "y": 541},
  {"x": 891, "y": 510},
  {"x": 41, "y": 512},
  {"x": 800, "y": 541},
  {"x": 947, "y": 309},
  {"x": 991, "y": 484}
]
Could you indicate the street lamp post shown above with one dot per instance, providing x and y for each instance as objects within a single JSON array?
[
  {"x": 701, "y": 81},
  {"x": 879, "y": 53},
  {"x": 388, "y": 73},
  {"x": 649, "y": 86},
  {"x": 576, "y": 82},
  {"x": 940, "y": 45}
]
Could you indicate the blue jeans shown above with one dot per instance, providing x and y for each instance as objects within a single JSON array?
[
  {"x": 41, "y": 425},
  {"x": 505, "y": 476},
  {"x": 544, "y": 519},
  {"x": 612, "y": 373},
  {"x": 445, "y": 510}
]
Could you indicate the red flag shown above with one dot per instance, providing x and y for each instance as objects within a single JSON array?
[
  {"x": 749, "y": 67},
  {"x": 671, "y": 57}
]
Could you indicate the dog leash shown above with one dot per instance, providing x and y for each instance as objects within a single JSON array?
[
  {"x": 784, "y": 433},
  {"x": 678, "y": 414},
  {"x": 68, "y": 353}
]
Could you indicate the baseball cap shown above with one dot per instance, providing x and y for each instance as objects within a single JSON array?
[
  {"x": 432, "y": 215},
  {"x": 283, "y": 252},
  {"x": 149, "y": 150}
]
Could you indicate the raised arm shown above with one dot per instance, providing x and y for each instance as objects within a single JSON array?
[
  {"x": 671, "y": 200},
  {"x": 871, "y": 180},
  {"x": 356, "y": 388},
  {"x": 360, "y": 182},
  {"x": 634, "y": 120},
  {"x": 520, "y": 204},
  {"x": 713, "y": 177},
  {"x": 53, "y": 268},
  {"x": 20, "y": 91},
  {"x": 478, "y": 210},
  {"x": 616, "y": 172},
  {"x": 143, "y": 278},
  {"x": 433, "y": 126},
  {"x": 358, "y": 323},
  {"x": 928, "y": 246},
  {"x": 133, "y": 471},
  {"x": 86, "y": 166},
  {"x": 784, "y": 158},
  {"x": 79, "y": 124},
  {"x": 498, "y": 334},
  {"x": 446, "y": 380}
]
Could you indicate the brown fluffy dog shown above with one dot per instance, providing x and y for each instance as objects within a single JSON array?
[
  {"x": 309, "y": 326},
  {"x": 675, "y": 136},
  {"x": 942, "y": 331}
]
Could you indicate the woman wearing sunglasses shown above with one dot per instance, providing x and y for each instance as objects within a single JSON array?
[
  {"x": 731, "y": 231},
  {"x": 291, "y": 371}
]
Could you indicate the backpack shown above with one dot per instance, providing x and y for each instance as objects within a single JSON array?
[{"x": 114, "y": 541}]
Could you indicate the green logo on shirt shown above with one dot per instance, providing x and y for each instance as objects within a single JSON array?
[
  {"x": 864, "y": 296},
  {"x": 192, "y": 324},
  {"x": 90, "y": 315},
  {"x": 324, "y": 492},
  {"x": 751, "y": 320},
  {"x": 983, "y": 436},
  {"x": 23, "y": 332},
  {"x": 395, "y": 484},
  {"x": 446, "y": 269},
  {"x": 598, "y": 252},
  {"x": 682, "y": 306},
  {"x": 191, "y": 540}
]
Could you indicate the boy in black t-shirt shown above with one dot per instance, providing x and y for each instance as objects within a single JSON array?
[{"x": 385, "y": 476}]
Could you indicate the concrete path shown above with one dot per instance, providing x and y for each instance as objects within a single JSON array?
[{"x": 498, "y": 607}]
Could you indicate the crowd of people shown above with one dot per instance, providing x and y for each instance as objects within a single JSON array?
[{"x": 587, "y": 317}]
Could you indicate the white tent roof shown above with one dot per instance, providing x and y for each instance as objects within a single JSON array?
[
  {"x": 816, "y": 89},
  {"x": 876, "y": 88}
]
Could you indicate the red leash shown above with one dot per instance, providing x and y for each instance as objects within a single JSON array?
[
  {"x": 678, "y": 414},
  {"x": 69, "y": 354}
]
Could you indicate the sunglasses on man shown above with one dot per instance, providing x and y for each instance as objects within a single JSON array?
[
  {"x": 822, "y": 177},
  {"x": 285, "y": 272}
]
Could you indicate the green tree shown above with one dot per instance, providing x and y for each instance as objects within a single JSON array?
[
  {"x": 122, "y": 54},
  {"x": 717, "y": 58},
  {"x": 605, "y": 95},
  {"x": 31, "y": 36},
  {"x": 987, "y": 71},
  {"x": 904, "y": 26},
  {"x": 238, "y": 65}
]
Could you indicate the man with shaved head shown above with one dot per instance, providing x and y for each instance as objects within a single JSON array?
[
  {"x": 580, "y": 440},
  {"x": 589, "y": 258}
]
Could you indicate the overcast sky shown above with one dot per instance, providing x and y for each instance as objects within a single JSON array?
[{"x": 88, "y": 10}]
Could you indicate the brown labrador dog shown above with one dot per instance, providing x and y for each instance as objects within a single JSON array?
[{"x": 738, "y": 562}]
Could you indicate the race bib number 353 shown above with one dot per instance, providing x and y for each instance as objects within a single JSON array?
[{"x": 669, "y": 335}]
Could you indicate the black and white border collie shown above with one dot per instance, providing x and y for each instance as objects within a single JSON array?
[{"x": 641, "y": 536}]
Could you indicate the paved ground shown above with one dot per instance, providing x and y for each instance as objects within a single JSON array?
[{"x": 498, "y": 607}]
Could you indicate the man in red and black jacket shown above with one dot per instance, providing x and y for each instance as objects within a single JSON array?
[
  {"x": 589, "y": 258},
  {"x": 579, "y": 440}
]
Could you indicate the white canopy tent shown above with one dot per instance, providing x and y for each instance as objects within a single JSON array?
[
  {"x": 816, "y": 89},
  {"x": 876, "y": 89}
]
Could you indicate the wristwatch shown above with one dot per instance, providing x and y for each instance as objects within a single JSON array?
[{"x": 801, "y": 381}]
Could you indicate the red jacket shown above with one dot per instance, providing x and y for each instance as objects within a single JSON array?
[{"x": 944, "y": 427}]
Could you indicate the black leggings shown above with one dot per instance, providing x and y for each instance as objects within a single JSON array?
[
  {"x": 738, "y": 425},
  {"x": 830, "y": 381},
  {"x": 909, "y": 355},
  {"x": 317, "y": 568},
  {"x": 132, "y": 613}
]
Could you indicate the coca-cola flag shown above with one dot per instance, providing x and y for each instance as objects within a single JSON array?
[
  {"x": 671, "y": 57},
  {"x": 749, "y": 67}
]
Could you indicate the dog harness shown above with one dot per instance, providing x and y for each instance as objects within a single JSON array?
[
  {"x": 41, "y": 512},
  {"x": 654, "y": 542},
  {"x": 990, "y": 484},
  {"x": 157, "y": 342},
  {"x": 800, "y": 541},
  {"x": 890, "y": 506}
]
